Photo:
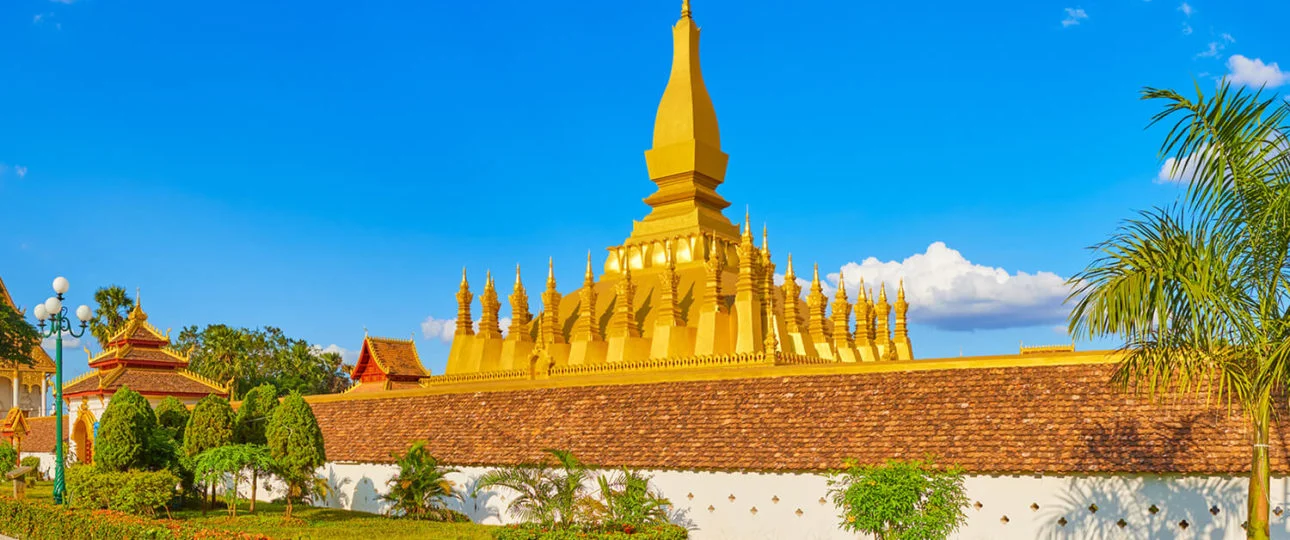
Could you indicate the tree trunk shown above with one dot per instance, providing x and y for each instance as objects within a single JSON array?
[
  {"x": 1257, "y": 526},
  {"x": 254, "y": 480},
  {"x": 288, "y": 515}
]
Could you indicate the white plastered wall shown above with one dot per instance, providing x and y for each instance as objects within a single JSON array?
[{"x": 719, "y": 505}]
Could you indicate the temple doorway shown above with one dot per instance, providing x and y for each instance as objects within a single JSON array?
[{"x": 83, "y": 439}]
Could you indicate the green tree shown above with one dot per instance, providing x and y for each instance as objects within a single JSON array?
[
  {"x": 1198, "y": 291},
  {"x": 127, "y": 436},
  {"x": 547, "y": 494},
  {"x": 421, "y": 487},
  {"x": 114, "y": 307},
  {"x": 8, "y": 458},
  {"x": 901, "y": 500},
  {"x": 209, "y": 426},
  {"x": 172, "y": 416},
  {"x": 215, "y": 464},
  {"x": 17, "y": 337},
  {"x": 254, "y": 357},
  {"x": 296, "y": 445},
  {"x": 258, "y": 406}
]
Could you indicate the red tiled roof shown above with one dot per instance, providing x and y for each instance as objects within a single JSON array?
[
  {"x": 395, "y": 357},
  {"x": 41, "y": 438},
  {"x": 1024, "y": 420}
]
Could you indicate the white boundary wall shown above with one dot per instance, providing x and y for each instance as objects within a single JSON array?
[{"x": 1033, "y": 505}]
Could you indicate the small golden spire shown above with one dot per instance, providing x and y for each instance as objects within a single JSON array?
[
  {"x": 488, "y": 279},
  {"x": 590, "y": 278},
  {"x": 765, "y": 238},
  {"x": 815, "y": 281},
  {"x": 685, "y": 9},
  {"x": 900, "y": 293},
  {"x": 517, "y": 274},
  {"x": 550, "y": 269},
  {"x": 842, "y": 287},
  {"x": 882, "y": 293},
  {"x": 463, "y": 276},
  {"x": 863, "y": 296},
  {"x": 788, "y": 274}
]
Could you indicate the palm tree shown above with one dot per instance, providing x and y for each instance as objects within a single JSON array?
[
  {"x": 546, "y": 494},
  {"x": 1200, "y": 291},
  {"x": 114, "y": 307},
  {"x": 422, "y": 486}
]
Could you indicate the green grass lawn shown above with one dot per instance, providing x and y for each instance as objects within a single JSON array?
[{"x": 309, "y": 522}]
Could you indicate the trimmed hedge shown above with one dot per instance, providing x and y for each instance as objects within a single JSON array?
[
  {"x": 532, "y": 531},
  {"x": 136, "y": 492},
  {"x": 41, "y": 521}
]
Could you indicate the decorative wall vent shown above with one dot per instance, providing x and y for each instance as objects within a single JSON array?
[
  {"x": 1213, "y": 510},
  {"x": 822, "y": 501},
  {"x": 1183, "y": 524},
  {"x": 775, "y": 499},
  {"x": 690, "y": 496},
  {"x": 732, "y": 497},
  {"x": 1278, "y": 511},
  {"x": 1062, "y": 522},
  {"x": 798, "y": 512},
  {"x": 711, "y": 508},
  {"x": 1121, "y": 523},
  {"x": 1003, "y": 520},
  {"x": 978, "y": 505},
  {"x": 1153, "y": 509},
  {"x": 753, "y": 510},
  {"x": 1034, "y": 507},
  {"x": 1092, "y": 508}
]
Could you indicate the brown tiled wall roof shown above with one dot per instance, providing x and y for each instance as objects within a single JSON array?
[
  {"x": 1024, "y": 420},
  {"x": 41, "y": 438}
]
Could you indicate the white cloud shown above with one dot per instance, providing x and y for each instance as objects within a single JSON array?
[
  {"x": 1186, "y": 29},
  {"x": 1171, "y": 172},
  {"x": 1073, "y": 17},
  {"x": 1186, "y": 9},
  {"x": 1228, "y": 38},
  {"x": 1253, "y": 72},
  {"x": 20, "y": 171},
  {"x": 350, "y": 357},
  {"x": 1213, "y": 50},
  {"x": 63, "y": 1},
  {"x": 1061, "y": 330},
  {"x": 69, "y": 342},
  {"x": 949, "y": 292},
  {"x": 443, "y": 329}
]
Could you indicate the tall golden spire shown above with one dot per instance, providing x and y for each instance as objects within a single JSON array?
[
  {"x": 550, "y": 324},
  {"x": 792, "y": 295},
  {"x": 520, "y": 316},
  {"x": 489, "y": 327},
  {"x": 465, "y": 326},
  {"x": 587, "y": 327},
  {"x": 816, "y": 304},
  {"x": 864, "y": 317},
  {"x": 686, "y": 161},
  {"x": 841, "y": 313}
]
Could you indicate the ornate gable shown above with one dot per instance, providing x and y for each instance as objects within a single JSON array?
[{"x": 384, "y": 359}]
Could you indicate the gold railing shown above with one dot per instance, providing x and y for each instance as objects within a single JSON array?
[
  {"x": 513, "y": 374},
  {"x": 671, "y": 363}
]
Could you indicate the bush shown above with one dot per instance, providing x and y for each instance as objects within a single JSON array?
[
  {"x": 136, "y": 492},
  {"x": 127, "y": 437},
  {"x": 421, "y": 487},
  {"x": 210, "y": 426},
  {"x": 627, "y": 499},
  {"x": 258, "y": 406},
  {"x": 40, "y": 521},
  {"x": 172, "y": 416},
  {"x": 900, "y": 500},
  {"x": 8, "y": 457},
  {"x": 34, "y": 463},
  {"x": 533, "y": 531}
]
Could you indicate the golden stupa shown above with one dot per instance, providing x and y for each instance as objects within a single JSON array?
[{"x": 687, "y": 288}]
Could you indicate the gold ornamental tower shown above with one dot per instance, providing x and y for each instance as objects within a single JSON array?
[{"x": 686, "y": 289}]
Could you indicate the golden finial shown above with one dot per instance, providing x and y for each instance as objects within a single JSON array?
[
  {"x": 863, "y": 295},
  {"x": 488, "y": 279},
  {"x": 517, "y": 275},
  {"x": 550, "y": 272},
  {"x": 882, "y": 292},
  {"x": 685, "y": 9},
  {"x": 590, "y": 277},
  {"x": 842, "y": 287},
  {"x": 788, "y": 274},
  {"x": 463, "y": 277},
  {"x": 747, "y": 233},
  {"x": 900, "y": 293},
  {"x": 765, "y": 238}
]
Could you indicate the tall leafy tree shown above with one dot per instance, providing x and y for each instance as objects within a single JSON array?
[
  {"x": 253, "y": 357},
  {"x": 114, "y": 306},
  {"x": 1200, "y": 291},
  {"x": 296, "y": 445},
  {"x": 215, "y": 464},
  {"x": 258, "y": 406},
  {"x": 17, "y": 337},
  {"x": 209, "y": 426}
]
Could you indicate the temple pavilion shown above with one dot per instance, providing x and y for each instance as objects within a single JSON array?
[
  {"x": 387, "y": 364},
  {"x": 138, "y": 356},
  {"x": 25, "y": 386},
  {"x": 687, "y": 288}
]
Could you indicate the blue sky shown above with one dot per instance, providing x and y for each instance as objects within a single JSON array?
[{"x": 327, "y": 167}]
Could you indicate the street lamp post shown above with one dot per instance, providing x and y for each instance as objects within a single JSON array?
[{"x": 52, "y": 310}]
